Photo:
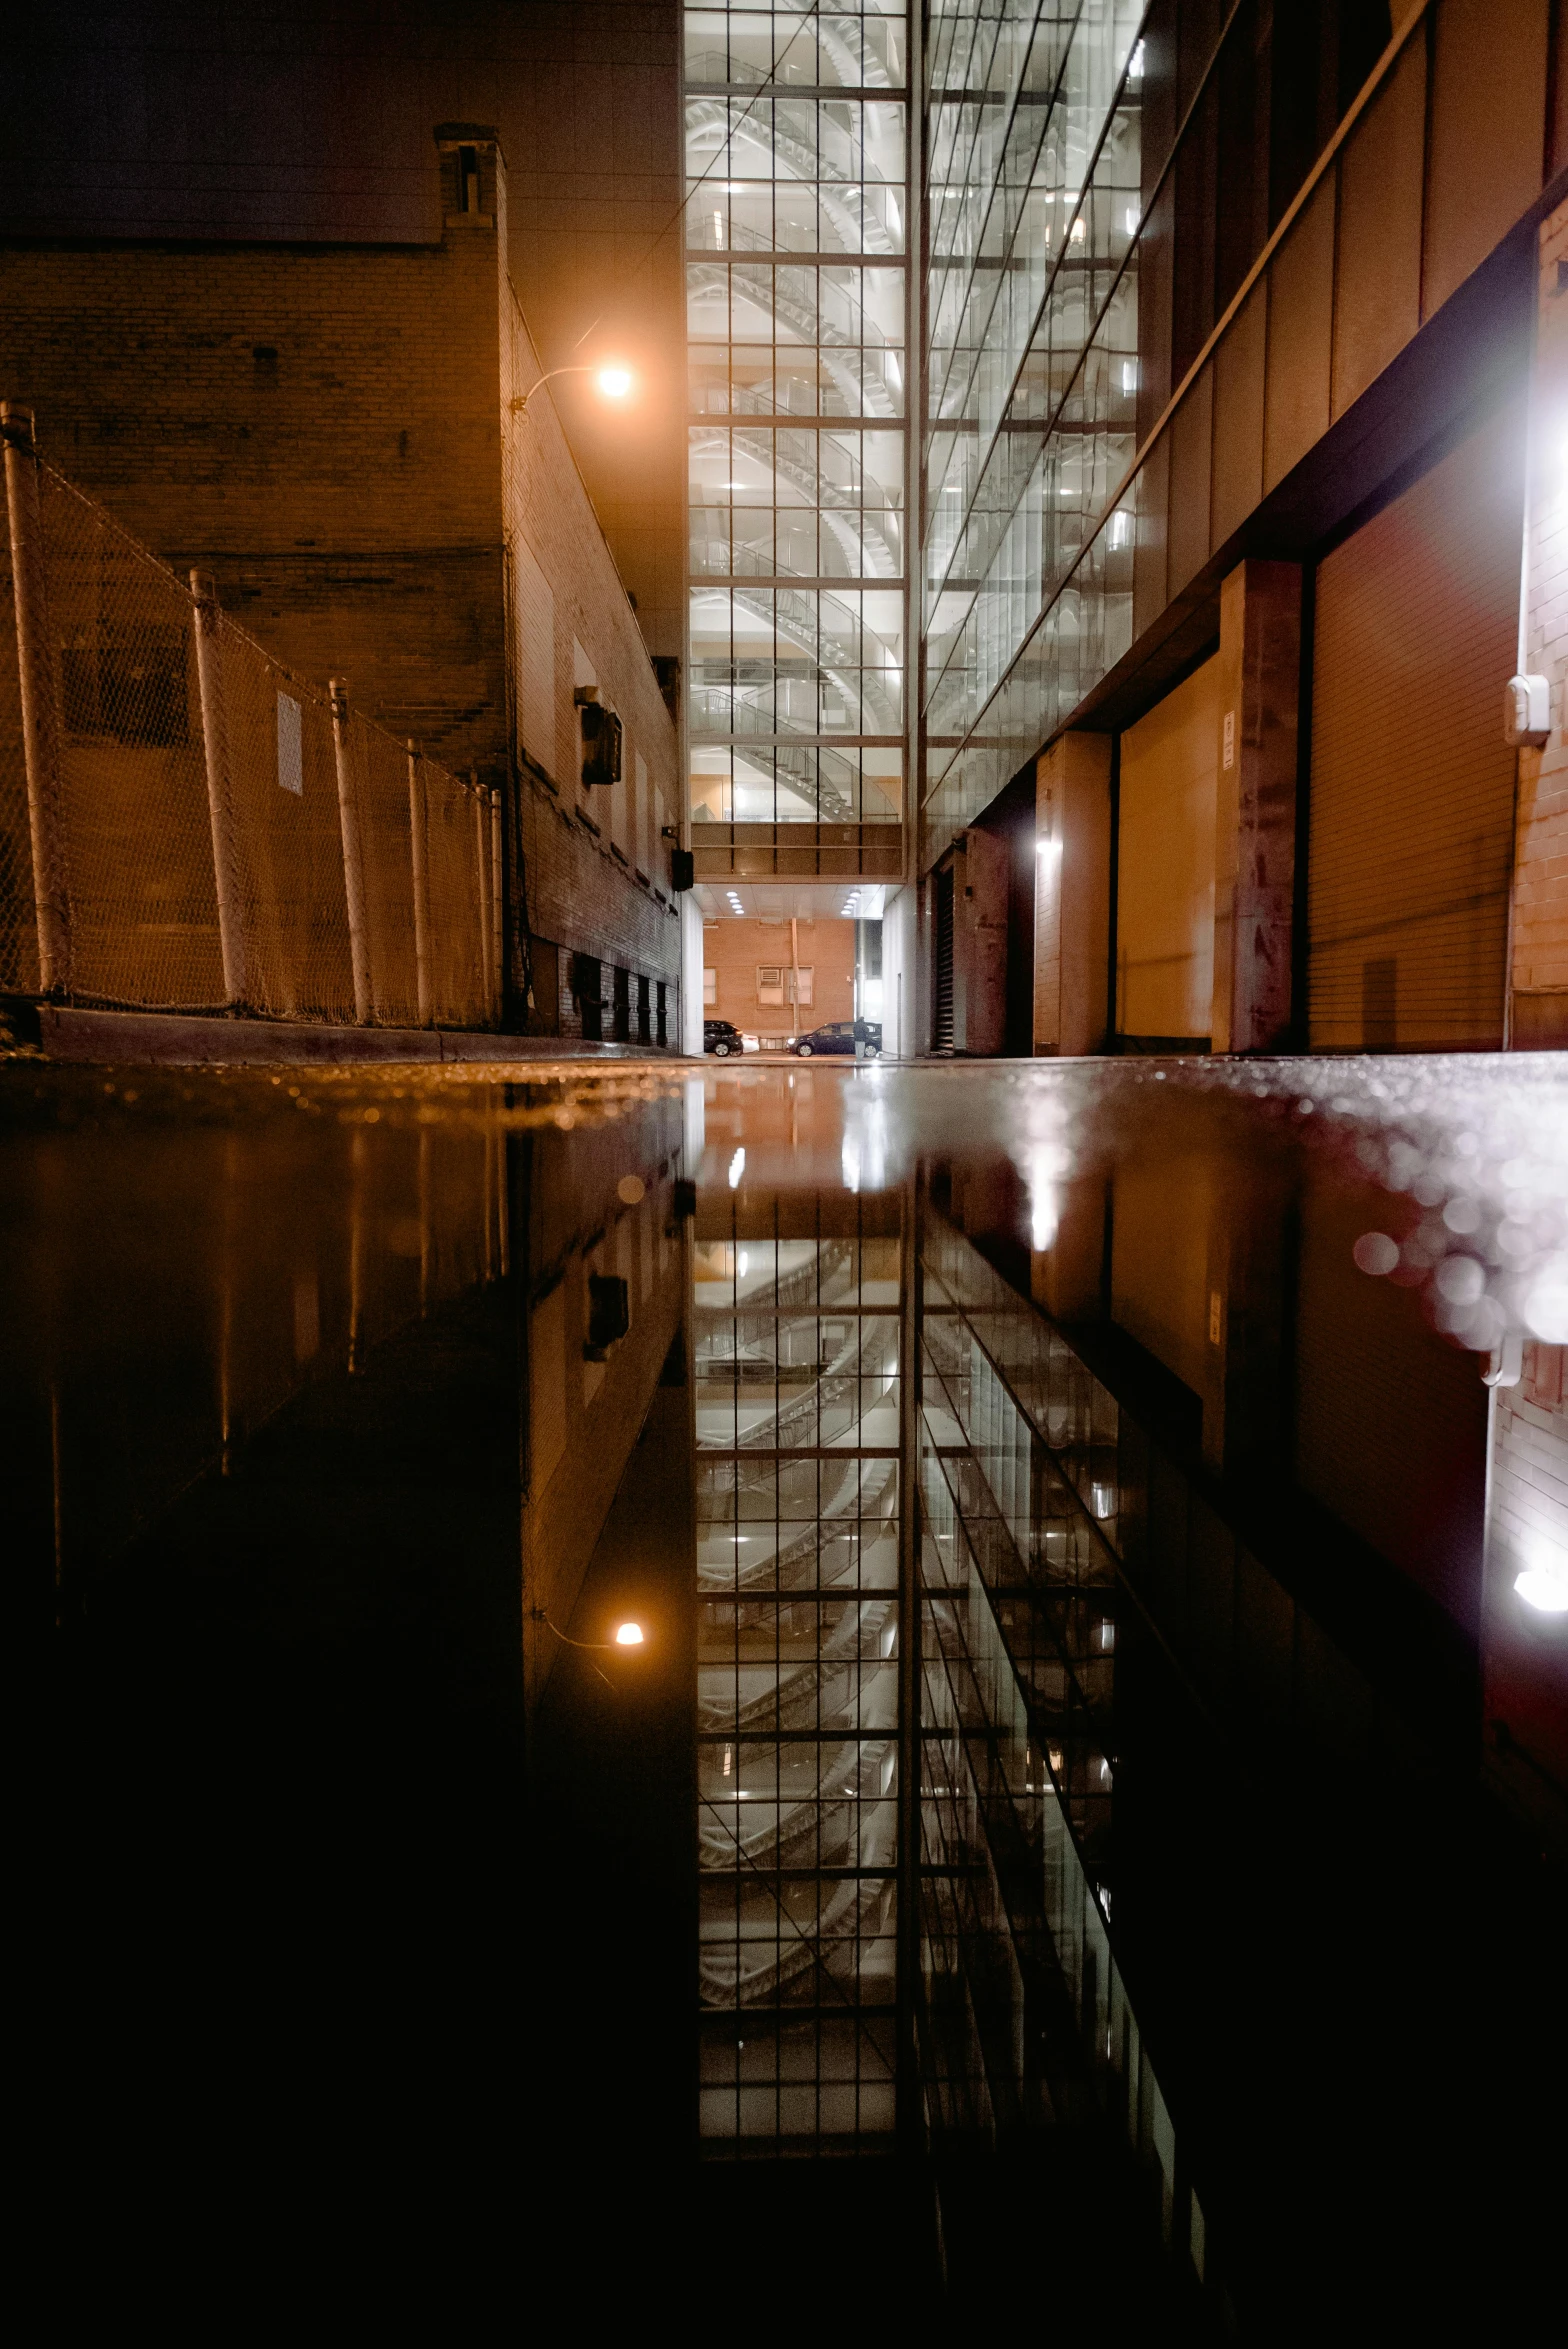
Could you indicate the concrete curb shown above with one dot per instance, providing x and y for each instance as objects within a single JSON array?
[{"x": 147, "y": 1038}]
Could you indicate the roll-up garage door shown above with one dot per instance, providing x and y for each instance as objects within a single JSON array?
[
  {"x": 1410, "y": 823},
  {"x": 942, "y": 1022},
  {"x": 1165, "y": 869}
]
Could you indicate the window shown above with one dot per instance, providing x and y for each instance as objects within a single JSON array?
[
  {"x": 710, "y": 987},
  {"x": 776, "y": 983}
]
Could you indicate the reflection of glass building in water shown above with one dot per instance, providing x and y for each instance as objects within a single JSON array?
[
  {"x": 798, "y": 1477},
  {"x": 905, "y": 1753}
]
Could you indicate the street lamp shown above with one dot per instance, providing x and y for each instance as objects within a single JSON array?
[
  {"x": 629, "y": 1634},
  {"x": 615, "y": 383}
]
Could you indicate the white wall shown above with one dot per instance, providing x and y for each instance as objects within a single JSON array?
[
  {"x": 691, "y": 975},
  {"x": 900, "y": 1036}
]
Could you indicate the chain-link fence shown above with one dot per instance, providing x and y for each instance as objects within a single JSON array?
[{"x": 186, "y": 824}]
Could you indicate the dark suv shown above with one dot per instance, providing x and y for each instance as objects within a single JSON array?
[
  {"x": 722, "y": 1037},
  {"x": 842, "y": 1036}
]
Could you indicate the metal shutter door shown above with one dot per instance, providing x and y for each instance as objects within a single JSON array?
[
  {"x": 1411, "y": 815},
  {"x": 942, "y": 1021},
  {"x": 1165, "y": 866}
]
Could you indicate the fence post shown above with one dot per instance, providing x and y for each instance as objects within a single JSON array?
[
  {"x": 220, "y": 809},
  {"x": 353, "y": 868},
  {"x": 481, "y": 860},
  {"x": 497, "y": 927},
  {"x": 416, "y": 835},
  {"x": 40, "y": 715}
]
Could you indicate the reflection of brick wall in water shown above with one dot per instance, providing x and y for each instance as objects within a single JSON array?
[{"x": 1540, "y": 916}]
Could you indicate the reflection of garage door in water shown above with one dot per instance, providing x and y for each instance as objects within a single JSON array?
[{"x": 1410, "y": 827}]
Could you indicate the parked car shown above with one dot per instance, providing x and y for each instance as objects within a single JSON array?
[
  {"x": 722, "y": 1037},
  {"x": 842, "y": 1036}
]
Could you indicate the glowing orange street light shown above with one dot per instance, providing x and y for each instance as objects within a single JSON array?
[
  {"x": 615, "y": 382},
  {"x": 629, "y": 1634}
]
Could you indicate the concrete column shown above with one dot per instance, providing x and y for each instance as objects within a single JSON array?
[
  {"x": 1255, "y": 835},
  {"x": 1072, "y": 912},
  {"x": 40, "y": 715},
  {"x": 980, "y": 946}
]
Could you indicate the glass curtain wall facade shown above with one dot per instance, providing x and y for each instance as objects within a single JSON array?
[
  {"x": 797, "y": 1342},
  {"x": 1035, "y": 207},
  {"x": 1101, "y": 181},
  {"x": 797, "y": 230}
]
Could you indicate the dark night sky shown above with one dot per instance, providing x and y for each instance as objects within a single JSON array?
[{"x": 301, "y": 122}]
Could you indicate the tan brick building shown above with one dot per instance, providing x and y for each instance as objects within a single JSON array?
[
  {"x": 778, "y": 978},
  {"x": 329, "y": 430}
]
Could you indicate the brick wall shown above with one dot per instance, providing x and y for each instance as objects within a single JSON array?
[
  {"x": 324, "y": 429},
  {"x": 300, "y": 423},
  {"x": 300, "y": 124},
  {"x": 595, "y": 864},
  {"x": 1540, "y": 899},
  {"x": 735, "y": 950}
]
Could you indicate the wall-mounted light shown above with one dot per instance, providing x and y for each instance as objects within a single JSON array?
[
  {"x": 1527, "y": 713},
  {"x": 614, "y": 382},
  {"x": 1545, "y": 1588},
  {"x": 629, "y": 1634}
]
